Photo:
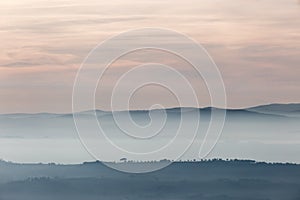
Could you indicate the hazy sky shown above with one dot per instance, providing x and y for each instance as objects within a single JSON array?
[{"x": 256, "y": 45}]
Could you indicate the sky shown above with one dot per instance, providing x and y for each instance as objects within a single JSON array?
[{"x": 255, "y": 44}]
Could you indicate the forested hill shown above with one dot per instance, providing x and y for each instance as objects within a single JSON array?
[{"x": 208, "y": 180}]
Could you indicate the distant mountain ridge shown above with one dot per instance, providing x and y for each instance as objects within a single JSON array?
[
  {"x": 285, "y": 110},
  {"x": 292, "y": 109},
  {"x": 274, "y": 135}
]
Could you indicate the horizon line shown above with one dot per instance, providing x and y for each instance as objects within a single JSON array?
[
  {"x": 166, "y": 108},
  {"x": 154, "y": 161}
]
